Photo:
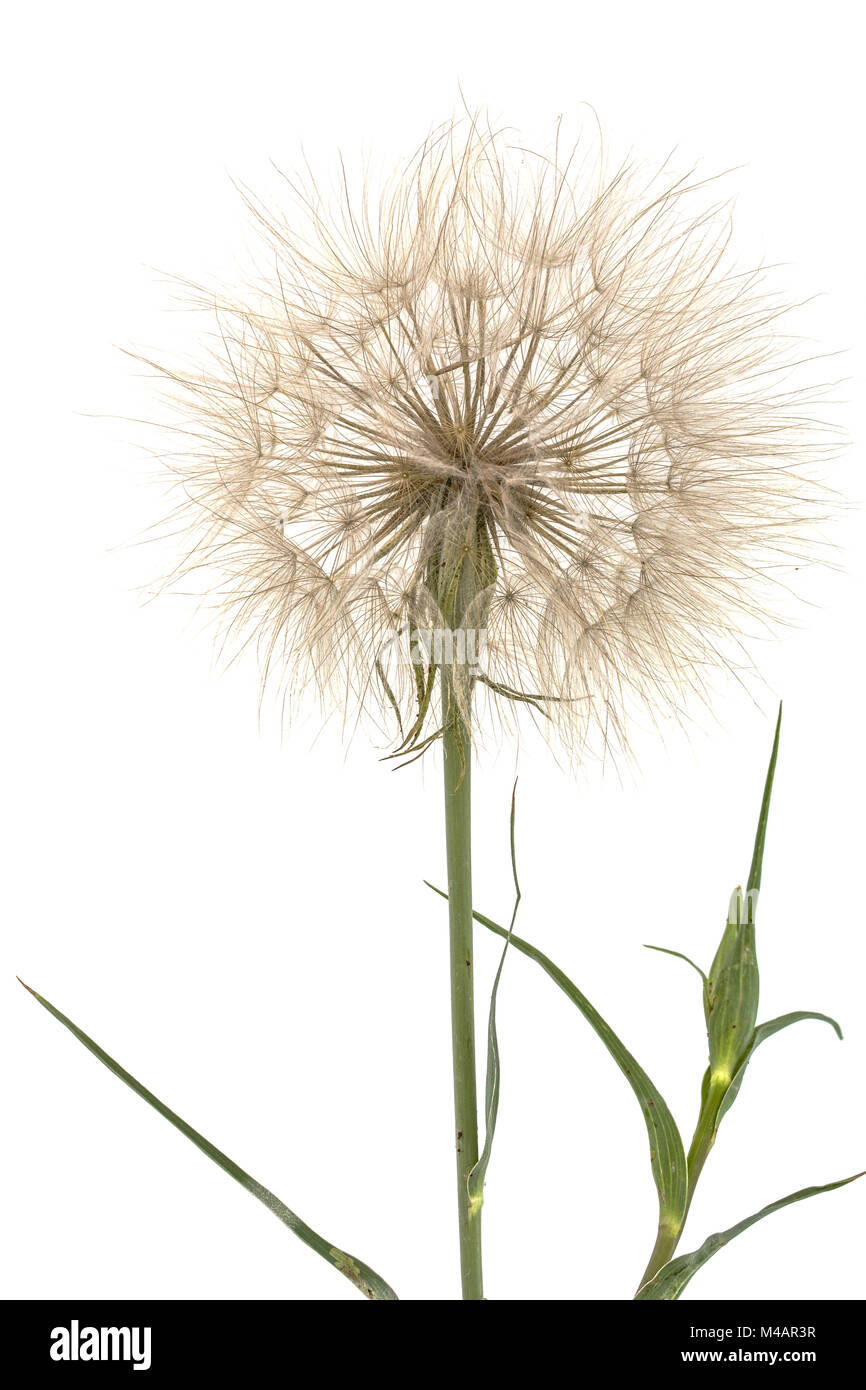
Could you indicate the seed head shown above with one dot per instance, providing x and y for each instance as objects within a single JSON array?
[{"x": 519, "y": 417}]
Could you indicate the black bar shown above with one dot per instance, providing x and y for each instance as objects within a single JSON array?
[{"x": 242, "y": 1338}]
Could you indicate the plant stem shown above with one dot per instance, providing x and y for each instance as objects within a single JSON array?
[
  {"x": 458, "y": 842},
  {"x": 705, "y": 1134}
]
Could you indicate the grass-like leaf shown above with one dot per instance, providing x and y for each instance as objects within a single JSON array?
[
  {"x": 667, "y": 1156},
  {"x": 761, "y": 1033},
  {"x": 666, "y": 951},
  {"x": 365, "y": 1279},
  {"x": 753, "y": 882},
  {"x": 475, "y": 1181},
  {"x": 670, "y": 1281}
]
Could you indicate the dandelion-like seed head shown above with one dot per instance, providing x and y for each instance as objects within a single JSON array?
[{"x": 516, "y": 399}]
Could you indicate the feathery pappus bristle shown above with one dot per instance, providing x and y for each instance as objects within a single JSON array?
[{"x": 517, "y": 416}]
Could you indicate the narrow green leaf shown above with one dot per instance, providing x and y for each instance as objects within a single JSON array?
[
  {"x": 475, "y": 1181},
  {"x": 670, "y": 1281},
  {"x": 754, "y": 880},
  {"x": 761, "y": 1033},
  {"x": 775, "y": 1025},
  {"x": 365, "y": 1279},
  {"x": 666, "y": 951},
  {"x": 667, "y": 1156}
]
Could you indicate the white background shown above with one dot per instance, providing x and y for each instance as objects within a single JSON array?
[{"x": 239, "y": 917}]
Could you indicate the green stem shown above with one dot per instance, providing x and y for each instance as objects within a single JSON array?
[
  {"x": 457, "y": 757},
  {"x": 704, "y": 1136}
]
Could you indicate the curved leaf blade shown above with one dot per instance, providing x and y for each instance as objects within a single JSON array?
[
  {"x": 670, "y": 1281},
  {"x": 666, "y": 951},
  {"x": 753, "y": 883},
  {"x": 475, "y": 1181},
  {"x": 667, "y": 1156},
  {"x": 761, "y": 1033},
  {"x": 775, "y": 1025},
  {"x": 365, "y": 1279}
]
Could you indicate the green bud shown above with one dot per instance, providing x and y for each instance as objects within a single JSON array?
[{"x": 731, "y": 996}]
